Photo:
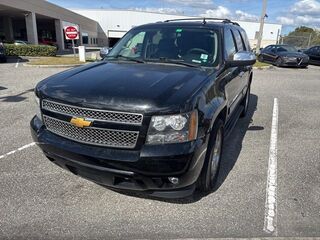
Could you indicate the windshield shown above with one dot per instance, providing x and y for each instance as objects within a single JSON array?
[
  {"x": 286, "y": 49},
  {"x": 190, "y": 46}
]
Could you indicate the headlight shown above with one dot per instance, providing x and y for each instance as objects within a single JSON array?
[
  {"x": 173, "y": 128},
  {"x": 38, "y": 110}
]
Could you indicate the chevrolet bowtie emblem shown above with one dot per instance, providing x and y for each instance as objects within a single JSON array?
[{"x": 80, "y": 122}]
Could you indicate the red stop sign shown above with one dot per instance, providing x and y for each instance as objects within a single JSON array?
[{"x": 71, "y": 32}]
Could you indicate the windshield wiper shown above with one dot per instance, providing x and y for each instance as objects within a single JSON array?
[
  {"x": 175, "y": 61},
  {"x": 126, "y": 58}
]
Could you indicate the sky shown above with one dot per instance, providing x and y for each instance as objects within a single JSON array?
[{"x": 289, "y": 13}]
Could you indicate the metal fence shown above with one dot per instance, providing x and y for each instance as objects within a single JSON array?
[{"x": 301, "y": 41}]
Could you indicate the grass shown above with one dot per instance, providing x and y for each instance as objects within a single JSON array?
[
  {"x": 57, "y": 61},
  {"x": 261, "y": 64}
]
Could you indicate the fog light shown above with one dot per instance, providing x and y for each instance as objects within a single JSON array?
[{"x": 173, "y": 180}]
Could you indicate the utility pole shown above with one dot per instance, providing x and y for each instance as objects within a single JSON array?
[{"x": 263, "y": 15}]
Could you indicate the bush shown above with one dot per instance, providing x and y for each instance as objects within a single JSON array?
[{"x": 30, "y": 50}]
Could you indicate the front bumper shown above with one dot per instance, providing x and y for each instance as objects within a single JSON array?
[
  {"x": 295, "y": 62},
  {"x": 145, "y": 170}
]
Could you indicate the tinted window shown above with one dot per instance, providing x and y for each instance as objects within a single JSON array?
[
  {"x": 267, "y": 48},
  {"x": 229, "y": 44},
  {"x": 246, "y": 40},
  {"x": 239, "y": 42},
  {"x": 164, "y": 44},
  {"x": 314, "y": 50},
  {"x": 285, "y": 48}
]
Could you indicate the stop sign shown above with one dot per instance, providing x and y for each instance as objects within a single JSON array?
[{"x": 71, "y": 33}]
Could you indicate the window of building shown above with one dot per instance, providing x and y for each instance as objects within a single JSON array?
[{"x": 85, "y": 38}]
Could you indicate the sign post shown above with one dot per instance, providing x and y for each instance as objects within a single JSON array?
[{"x": 72, "y": 33}]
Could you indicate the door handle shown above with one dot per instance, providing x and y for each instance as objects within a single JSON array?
[{"x": 241, "y": 74}]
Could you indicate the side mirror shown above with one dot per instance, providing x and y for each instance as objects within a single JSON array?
[
  {"x": 104, "y": 51},
  {"x": 242, "y": 58}
]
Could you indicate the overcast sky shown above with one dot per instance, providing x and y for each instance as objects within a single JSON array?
[{"x": 290, "y": 13}]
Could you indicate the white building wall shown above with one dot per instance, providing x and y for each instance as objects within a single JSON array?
[{"x": 115, "y": 23}]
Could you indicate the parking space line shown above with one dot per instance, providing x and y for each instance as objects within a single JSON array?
[
  {"x": 270, "y": 219},
  {"x": 18, "y": 149},
  {"x": 17, "y": 64}
]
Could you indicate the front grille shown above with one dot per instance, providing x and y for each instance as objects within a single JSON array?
[
  {"x": 94, "y": 136},
  {"x": 94, "y": 114}
]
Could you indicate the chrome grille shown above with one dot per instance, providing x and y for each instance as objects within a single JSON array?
[
  {"x": 91, "y": 135},
  {"x": 95, "y": 114}
]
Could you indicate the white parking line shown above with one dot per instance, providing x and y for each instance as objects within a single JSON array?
[
  {"x": 270, "y": 220},
  {"x": 17, "y": 150},
  {"x": 17, "y": 64}
]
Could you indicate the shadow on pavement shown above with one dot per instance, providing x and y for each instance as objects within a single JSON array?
[
  {"x": 233, "y": 144},
  {"x": 16, "y": 98},
  {"x": 14, "y": 59},
  {"x": 231, "y": 150}
]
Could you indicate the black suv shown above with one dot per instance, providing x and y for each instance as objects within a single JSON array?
[{"x": 153, "y": 114}]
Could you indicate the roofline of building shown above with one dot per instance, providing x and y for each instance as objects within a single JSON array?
[{"x": 170, "y": 14}]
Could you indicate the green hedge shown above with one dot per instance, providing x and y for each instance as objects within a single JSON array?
[{"x": 30, "y": 50}]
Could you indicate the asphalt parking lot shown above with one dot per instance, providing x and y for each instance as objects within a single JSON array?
[{"x": 38, "y": 200}]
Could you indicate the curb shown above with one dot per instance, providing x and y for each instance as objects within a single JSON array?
[{"x": 53, "y": 66}]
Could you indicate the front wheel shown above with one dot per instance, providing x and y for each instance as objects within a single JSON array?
[
  {"x": 210, "y": 170},
  {"x": 279, "y": 62}
]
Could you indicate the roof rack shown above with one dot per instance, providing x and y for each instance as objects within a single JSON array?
[{"x": 204, "y": 20}]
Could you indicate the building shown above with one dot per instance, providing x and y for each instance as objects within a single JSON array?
[
  {"x": 115, "y": 23},
  {"x": 38, "y": 21}
]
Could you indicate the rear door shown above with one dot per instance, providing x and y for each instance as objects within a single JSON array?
[
  {"x": 242, "y": 45},
  {"x": 314, "y": 54}
]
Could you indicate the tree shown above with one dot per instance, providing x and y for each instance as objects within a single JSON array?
[{"x": 303, "y": 37}]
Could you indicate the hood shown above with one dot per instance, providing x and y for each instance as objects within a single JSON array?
[
  {"x": 292, "y": 54},
  {"x": 125, "y": 86}
]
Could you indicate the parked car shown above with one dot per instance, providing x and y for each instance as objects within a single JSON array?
[
  {"x": 314, "y": 55},
  {"x": 283, "y": 55},
  {"x": 20, "y": 43},
  {"x": 47, "y": 41},
  {"x": 152, "y": 116},
  {"x": 3, "y": 57}
]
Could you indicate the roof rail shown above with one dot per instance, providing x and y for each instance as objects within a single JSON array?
[{"x": 204, "y": 20}]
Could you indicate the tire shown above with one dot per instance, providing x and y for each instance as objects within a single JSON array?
[
  {"x": 279, "y": 62},
  {"x": 211, "y": 166},
  {"x": 245, "y": 103}
]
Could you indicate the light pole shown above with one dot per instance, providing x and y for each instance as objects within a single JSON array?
[{"x": 263, "y": 15}]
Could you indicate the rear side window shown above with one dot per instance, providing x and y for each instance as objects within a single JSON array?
[
  {"x": 245, "y": 40},
  {"x": 230, "y": 47},
  {"x": 239, "y": 41}
]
